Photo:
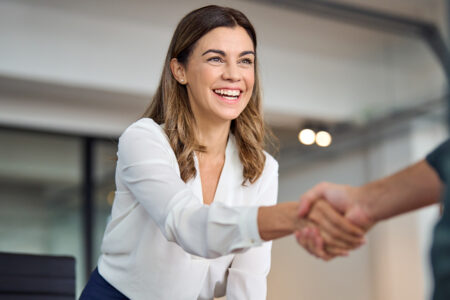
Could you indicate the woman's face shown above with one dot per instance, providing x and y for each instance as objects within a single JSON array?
[{"x": 220, "y": 74}]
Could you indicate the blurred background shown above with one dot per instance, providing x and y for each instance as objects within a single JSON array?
[{"x": 372, "y": 73}]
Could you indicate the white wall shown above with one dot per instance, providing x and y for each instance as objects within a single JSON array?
[
  {"x": 297, "y": 275},
  {"x": 308, "y": 63},
  {"x": 395, "y": 262}
]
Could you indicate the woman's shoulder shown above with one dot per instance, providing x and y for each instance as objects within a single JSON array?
[
  {"x": 271, "y": 164},
  {"x": 144, "y": 131},
  {"x": 267, "y": 183},
  {"x": 144, "y": 127},
  {"x": 144, "y": 141},
  {"x": 144, "y": 123}
]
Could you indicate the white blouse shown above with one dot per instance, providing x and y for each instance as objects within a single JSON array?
[{"x": 162, "y": 242}]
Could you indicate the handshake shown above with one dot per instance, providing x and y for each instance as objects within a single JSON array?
[
  {"x": 335, "y": 220},
  {"x": 331, "y": 219}
]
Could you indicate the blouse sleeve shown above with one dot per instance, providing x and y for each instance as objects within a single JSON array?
[
  {"x": 247, "y": 277},
  {"x": 146, "y": 166}
]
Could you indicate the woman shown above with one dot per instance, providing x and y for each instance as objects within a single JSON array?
[{"x": 195, "y": 190}]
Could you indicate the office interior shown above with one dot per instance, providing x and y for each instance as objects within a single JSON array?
[{"x": 372, "y": 73}]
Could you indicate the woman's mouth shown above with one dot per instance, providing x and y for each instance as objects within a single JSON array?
[{"x": 227, "y": 95}]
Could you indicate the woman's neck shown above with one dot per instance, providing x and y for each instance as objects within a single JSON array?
[{"x": 213, "y": 136}]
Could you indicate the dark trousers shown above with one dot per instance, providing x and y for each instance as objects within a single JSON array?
[{"x": 98, "y": 288}]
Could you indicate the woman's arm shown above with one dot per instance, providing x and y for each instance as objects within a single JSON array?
[
  {"x": 247, "y": 276},
  {"x": 248, "y": 272},
  {"x": 336, "y": 231},
  {"x": 148, "y": 168}
]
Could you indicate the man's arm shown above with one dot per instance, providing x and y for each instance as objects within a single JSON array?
[{"x": 414, "y": 187}]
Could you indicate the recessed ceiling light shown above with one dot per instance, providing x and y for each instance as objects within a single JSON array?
[{"x": 307, "y": 136}]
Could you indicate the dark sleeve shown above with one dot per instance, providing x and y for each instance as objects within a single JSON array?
[{"x": 439, "y": 160}]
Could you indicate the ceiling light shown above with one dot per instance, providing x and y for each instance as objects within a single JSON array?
[
  {"x": 307, "y": 136},
  {"x": 323, "y": 139}
]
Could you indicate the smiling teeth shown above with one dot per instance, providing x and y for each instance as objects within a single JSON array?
[{"x": 231, "y": 93}]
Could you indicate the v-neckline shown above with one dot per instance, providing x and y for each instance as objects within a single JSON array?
[{"x": 218, "y": 194}]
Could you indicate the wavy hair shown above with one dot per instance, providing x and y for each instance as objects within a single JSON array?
[{"x": 170, "y": 104}]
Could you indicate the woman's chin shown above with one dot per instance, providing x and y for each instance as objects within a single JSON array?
[{"x": 230, "y": 117}]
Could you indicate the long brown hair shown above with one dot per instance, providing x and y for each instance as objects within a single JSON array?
[{"x": 170, "y": 104}]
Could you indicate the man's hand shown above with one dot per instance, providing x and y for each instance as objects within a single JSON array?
[
  {"x": 346, "y": 200},
  {"x": 328, "y": 227},
  {"x": 323, "y": 221},
  {"x": 411, "y": 188}
]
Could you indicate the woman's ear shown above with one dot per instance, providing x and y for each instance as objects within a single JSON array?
[{"x": 178, "y": 71}]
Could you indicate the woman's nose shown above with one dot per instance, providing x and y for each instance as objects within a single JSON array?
[{"x": 231, "y": 72}]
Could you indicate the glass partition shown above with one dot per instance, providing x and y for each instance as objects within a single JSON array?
[{"x": 40, "y": 199}]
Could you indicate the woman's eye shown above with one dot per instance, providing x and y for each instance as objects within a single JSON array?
[
  {"x": 247, "y": 61},
  {"x": 215, "y": 59}
]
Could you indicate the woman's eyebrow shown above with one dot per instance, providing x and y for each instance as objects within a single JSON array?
[
  {"x": 214, "y": 51},
  {"x": 223, "y": 52},
  {"x": 247, "y": 52}
]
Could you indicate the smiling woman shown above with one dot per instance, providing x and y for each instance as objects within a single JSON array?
[
  {"x": 212, "y": 53},
  {"x": 219, "y": 81},
  {"x": 195, "y": 191}
]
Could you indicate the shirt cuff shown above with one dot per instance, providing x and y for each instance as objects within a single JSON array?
[{"x": 248, "y": 224}]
